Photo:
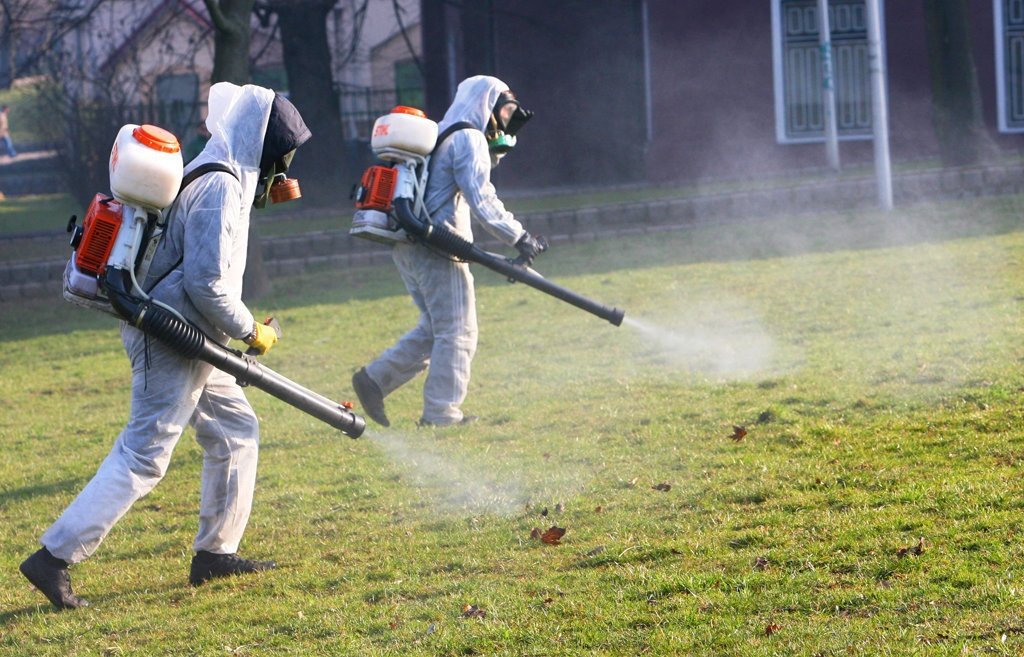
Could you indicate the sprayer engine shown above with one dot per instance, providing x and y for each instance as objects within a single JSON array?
[
  {"x": 404, "y": 138},
  {"x": 145, "y": 173}
]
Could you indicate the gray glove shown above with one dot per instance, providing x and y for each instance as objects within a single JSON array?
[{"x": 530, "y": 247}]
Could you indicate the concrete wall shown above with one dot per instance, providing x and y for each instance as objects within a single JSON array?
[{"x": 292, "y": 255}]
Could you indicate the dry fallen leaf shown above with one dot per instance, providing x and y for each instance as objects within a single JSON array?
[
  {"x": 535, "y": 533},
  {"x": 916, "y": 550},
  {"x": 553, "y": 536},
  {"x": 598, "y": 509},
  {"x": 771, "y": 629},
  {"x": 472, "y": 611},
  {"x": 760, "y": 563},
  {"x": 662, "y": 487},
  {"x": 738, "y": 432}
]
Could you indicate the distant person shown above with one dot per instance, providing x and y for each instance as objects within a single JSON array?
[
  {"x": 477, "y": 131},
  {"x": 196, "y": 145},
  {"x": 5, "y": 131}
]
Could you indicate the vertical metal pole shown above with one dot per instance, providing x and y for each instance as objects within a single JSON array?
[
  {"x": 879, "y": 105},
  {"x": 828, "y": 88},
  {"x": 648, "y": 103}
]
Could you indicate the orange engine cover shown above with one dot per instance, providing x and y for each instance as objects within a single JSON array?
[
  {"x": 378, "y": 188},
  {"x": 99, "y": 230}
]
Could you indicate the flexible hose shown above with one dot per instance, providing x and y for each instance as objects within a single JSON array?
[{"x": 188, "y": 341}]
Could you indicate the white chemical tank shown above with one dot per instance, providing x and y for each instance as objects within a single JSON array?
[
  {"x": 405, "y": 129},
  {"x": 145, "y": 166}
]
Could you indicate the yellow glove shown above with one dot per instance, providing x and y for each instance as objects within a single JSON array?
[{"x": 262, "y": 338}]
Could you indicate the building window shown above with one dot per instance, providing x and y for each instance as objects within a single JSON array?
[
  {"x": 798, "y": 75},
  {"x": 177, "y": 103},
  {"x": 1009, "y": 19},
  {"x": 409, "y": 84}
]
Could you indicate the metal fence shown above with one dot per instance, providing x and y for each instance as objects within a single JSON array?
[{"x": 360, "y": 107}]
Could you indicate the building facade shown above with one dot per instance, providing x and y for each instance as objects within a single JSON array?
[{"x": 666, "y": 90}]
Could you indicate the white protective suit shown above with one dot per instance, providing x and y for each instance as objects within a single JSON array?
[
  {"x": 205, "y": 244},
  {"x": 459, "y": 185}
]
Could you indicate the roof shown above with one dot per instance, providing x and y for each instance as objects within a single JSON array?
[{"x": 156, "y": 20}]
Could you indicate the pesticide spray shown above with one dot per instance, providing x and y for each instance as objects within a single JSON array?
[
  {"x": 113, "y": 250},
  {"x": 454, "y": 485},
  {"x": 713, "y": 333}
]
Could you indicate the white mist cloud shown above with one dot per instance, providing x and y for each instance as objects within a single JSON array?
[
  {"x": 729, "y": 343},
  {"x": 453, "y": 484}
]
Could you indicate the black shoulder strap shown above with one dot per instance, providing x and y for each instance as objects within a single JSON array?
[
  {"x": 452, "y": 129},
  {"x": 455, "y": 127},
  {"x": 187, "y": 180},
  {"x": 204, "y": 169}
]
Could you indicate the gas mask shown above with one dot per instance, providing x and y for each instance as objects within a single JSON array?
[
  {"x": 506, "y": 120},
  {"x": 286, "y": 131},
  {"x": 275, "y": 185}
]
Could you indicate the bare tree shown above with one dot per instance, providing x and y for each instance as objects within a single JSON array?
[
  {"x": 30, "y": 29},
  {"x": 307, "y": 60},
  {"x": 89, "y": 93},
  {"x": 232, "y": 23},
  {"x": 956, "y": 99}
]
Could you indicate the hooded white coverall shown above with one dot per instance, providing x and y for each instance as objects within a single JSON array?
[
  {"x": 459, "y": 186},
  {"x": 207, "y": 229}
]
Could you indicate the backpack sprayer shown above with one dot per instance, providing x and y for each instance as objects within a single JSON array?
[
  {"x": 390, "y": 207},
  {"x": 115, "y": 245}
]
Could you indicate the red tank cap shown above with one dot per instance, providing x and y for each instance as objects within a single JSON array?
[
  {"x": 156, "y": 138},
  {"x": 402, "y": 109}
]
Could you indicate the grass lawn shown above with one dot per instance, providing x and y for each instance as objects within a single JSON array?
[{"x": 873, "y": 506}]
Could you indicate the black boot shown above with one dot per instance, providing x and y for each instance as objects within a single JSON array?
[
  {"x": 370, "y": 397},
  {"x": 207, "y": 566},
  {"x": 50, "y": 575}
]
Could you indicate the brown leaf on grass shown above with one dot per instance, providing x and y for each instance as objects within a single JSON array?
[
  {"x": 598, "y": 509},
  {"x": 916, "y": 550},
  {"x": 662, "y": 487},
  {"x": 553, "y": 536},
  {"x": 771, "y": 629},
  {"x": 761, "y": 563},
  {"x": 738, "y": 432},
  {"x": 535, "y": 533},
  {"x": 472, "y": 611}
]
